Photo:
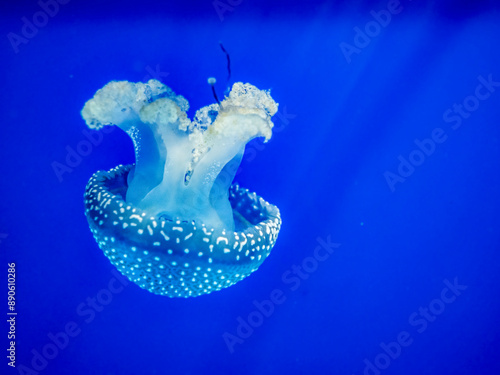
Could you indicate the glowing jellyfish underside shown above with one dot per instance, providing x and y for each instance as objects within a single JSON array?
[{"x": 173, "y": 223}]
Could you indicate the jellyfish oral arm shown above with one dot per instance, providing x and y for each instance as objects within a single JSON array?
[{"x": 178, "y": 160}]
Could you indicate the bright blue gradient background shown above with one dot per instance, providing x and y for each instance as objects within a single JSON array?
[{"x": 324, "y": 168}]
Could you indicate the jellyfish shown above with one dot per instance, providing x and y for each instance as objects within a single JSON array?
[{"x": 174, "y": 223}]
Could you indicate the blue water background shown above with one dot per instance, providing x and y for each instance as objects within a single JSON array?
[{"x": 342, "y": 126}]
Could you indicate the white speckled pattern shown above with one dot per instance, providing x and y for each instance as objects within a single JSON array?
[{"x": 172, "y": 257}]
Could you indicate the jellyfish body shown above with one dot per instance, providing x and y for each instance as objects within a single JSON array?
[{"x": 173, "y": 223}]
